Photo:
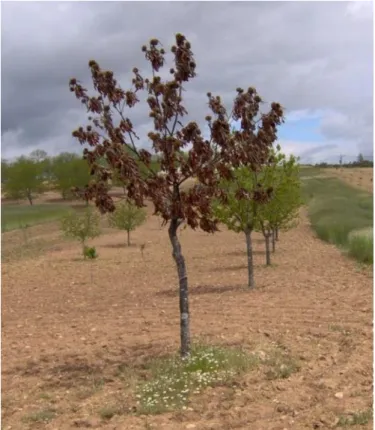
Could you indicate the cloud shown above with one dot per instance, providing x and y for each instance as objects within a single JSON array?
[{"x": 315, "y": 58}]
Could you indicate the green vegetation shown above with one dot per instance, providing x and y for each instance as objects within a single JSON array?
[
  {"x": 266, "y": 201},
  {"x": 127, "y": 217},
  {"x": 358, "y": 418},
  {"x": 24, "y": 179},
  {"x": 43, "y": 416},
  {"x": 82, "y": 226},
  {"x": 336, "y": 211},
  {"x": 174, "y": 380},
  {"x": 18, "y": 216},
  {"x": 68, "y": 171},
  {"x": 306, "y": 172}
]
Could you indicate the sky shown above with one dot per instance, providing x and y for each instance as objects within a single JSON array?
[{"x": 314, "y": 58}]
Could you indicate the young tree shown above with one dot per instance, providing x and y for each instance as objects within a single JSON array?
[
  {"x": 111, "y": 129},
  {"x": 127, "y": 217},
  {"x": 282, "y": 209},
  {"x": 240, "y": 215},
  {"x": 81, "y": 226},
  {"x": 24, "y": 179}
]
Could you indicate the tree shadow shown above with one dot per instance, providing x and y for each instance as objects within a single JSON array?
[
  {"x": 120, "y": 246},
  {"x": 242, "y": 253},
  {"x": 204, "y": 289}
]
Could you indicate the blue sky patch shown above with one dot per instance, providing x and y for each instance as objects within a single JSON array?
[{"x": 303, "y": 130}]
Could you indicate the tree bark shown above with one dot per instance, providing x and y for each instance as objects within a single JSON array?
[
  {"x": 250, "y": 263},
  {"x": 277, "y": 233},
  {"x": 273, "y": 237},
  {"x": 268, "y": 253},
  {"x": 128, "y": 231},
  {"x": 29, "y": 198},
  {"x": 183, "y": 288}
]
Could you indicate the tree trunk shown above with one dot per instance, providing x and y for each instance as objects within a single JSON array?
[
  {"x": 250, "y": 263},
  {"x": 277, "y": 233},
  {"x": 273, "y": 237},
  {"x": 268, "y": 253},
  {"x": 183, "y": 288},
  {"x": 29, "y": 198},
  {"x": 128, "y": 231}
]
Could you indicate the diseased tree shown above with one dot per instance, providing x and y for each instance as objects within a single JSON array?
[
  {"x": 127, "y": 217},
  {"x": 281, "y": 211},
  {"x": 207, "y": 160},
  {"x": 24, "y": 179}
]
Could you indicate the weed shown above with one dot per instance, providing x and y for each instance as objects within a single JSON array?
[
  {"x": 45, "y": 396},
  {"x": 45, "y": 415},
  {"x": 174, "y": 380},
  {"x": 280, "y": 365},
  {"x": 359, "y": 418},
  {"x": 90, "y": 252},
  {"x": 109, "y": 411}
]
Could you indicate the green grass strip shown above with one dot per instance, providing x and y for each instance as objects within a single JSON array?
[{"x": 341, "y": 215}]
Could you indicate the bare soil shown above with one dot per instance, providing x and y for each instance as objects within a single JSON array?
[{"x": 75, "y": 333}]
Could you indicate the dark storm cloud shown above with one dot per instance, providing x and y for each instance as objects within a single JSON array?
[{"x": 309, "y": 56}]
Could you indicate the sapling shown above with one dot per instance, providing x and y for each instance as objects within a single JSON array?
[
  {"x": 281, "y": 210},
  {"x": 82, "y": 226},
  {"x": 128, "y": 217},
  {"x": 206, "y": 160},
  {"x": 240, "y": 215}
]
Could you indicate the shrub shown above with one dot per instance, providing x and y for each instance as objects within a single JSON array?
[
  {"x": 90, "y": 252},
  {"x": 362, "y": 248}
]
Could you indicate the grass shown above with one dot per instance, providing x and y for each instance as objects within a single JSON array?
[
  {"x": 306, "y": 172},
  {"x": 336, "y": 210},
  {"x": 359, "y": 418},
  {"x": 109, "y": 411},
  {"x": 21, "y": 216},
  {"x": 44, "y": 415},
  {"x": 174, "y": 380},
  {"x": 280, "y": 365}
]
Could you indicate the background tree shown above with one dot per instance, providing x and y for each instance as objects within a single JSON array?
[
  {"x": 24, "y": 179},
  {"x": 282, "y": 175},
  {"x": 81, "y": 226},
  {"x": 69, "y": 171},
  {"x": 38, "y": 155},
  {"x": 239, "y": 215},
  {"x": 4, "y": 170},
  {"x": 127, "y": 217},
  {"x": 106, "y": 136}
]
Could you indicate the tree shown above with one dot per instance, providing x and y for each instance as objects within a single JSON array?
[
  {"x": 127, "y": 217},
  {"x": 106, "y": 136},
  {"x": 24, "y": 179},
  {"x": 69, "y": 170},
  {"x": 38, "y": 155},
  {"x": 281, "y": 210},
  {"x": 239, "y": 215},
  {"x": 81, "y": 226},
  {"x": 4, "y": 171}
]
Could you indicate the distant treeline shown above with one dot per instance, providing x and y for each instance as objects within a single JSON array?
[{"x": 360, "y": 162}]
